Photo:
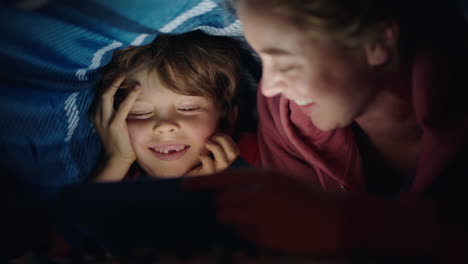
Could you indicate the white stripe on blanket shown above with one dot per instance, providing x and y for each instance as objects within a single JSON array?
[
  {"x": 203, "y": 7},
  {"x": 96, "y": 61},
  {"x": 138, "y": 40},
  {"x": 233, "y": 30},
  {"x": 72, "y": 114}
]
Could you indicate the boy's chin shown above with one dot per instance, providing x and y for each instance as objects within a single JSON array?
[
  {"x": 172, "y": 171},
  {"x": 166, "y": 174},
  {"x": 161, "y": 177}
]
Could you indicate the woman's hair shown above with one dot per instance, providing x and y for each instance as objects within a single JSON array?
[
  {"x": 342, "y": 20},
  {"x": 190, "y": 64},
  {"x": 351, "y": 22}
]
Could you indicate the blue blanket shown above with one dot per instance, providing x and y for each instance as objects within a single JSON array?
[{"x": 51, "y": 54}]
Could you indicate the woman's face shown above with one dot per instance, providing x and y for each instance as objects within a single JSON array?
[{"x": 331, "y": 84}]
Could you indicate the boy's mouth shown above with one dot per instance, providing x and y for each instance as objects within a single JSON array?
[{"x": 169, "y": 152}]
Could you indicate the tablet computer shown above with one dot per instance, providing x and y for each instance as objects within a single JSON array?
[{"x": 153, "y": 215}]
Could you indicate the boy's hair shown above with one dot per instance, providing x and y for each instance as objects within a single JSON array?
[{"x": 190, "y": 64}]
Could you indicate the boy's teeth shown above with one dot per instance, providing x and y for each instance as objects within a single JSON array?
[{"x": 171, "y": 148}]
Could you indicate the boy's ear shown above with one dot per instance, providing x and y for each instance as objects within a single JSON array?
[
  {"x": 231, "y": 120},
  {"x": 379, "y": 51}
]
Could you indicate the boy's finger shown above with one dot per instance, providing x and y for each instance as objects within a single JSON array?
[
  {"x": 229, "y": 146},
  {"x": 207, "y": 164},
  {"x": 222, "y": 161},
  {"x": 107, "y": 98},
  {"x": 194, "y": 172},
  {"x": 127, "y": 104},
  {"x": 112, "y": 89}
]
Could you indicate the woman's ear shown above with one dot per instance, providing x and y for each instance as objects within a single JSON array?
[{"x": 380, "y": 51}]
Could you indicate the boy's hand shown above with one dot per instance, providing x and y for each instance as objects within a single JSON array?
[
  {"x": 224, "y": 150},
  {"x": 112, "y": 125}
]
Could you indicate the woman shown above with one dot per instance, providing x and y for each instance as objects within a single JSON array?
[{"x": 365, "y": 101}]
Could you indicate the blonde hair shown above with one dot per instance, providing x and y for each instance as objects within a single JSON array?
[
  {"x": 352, "y": 22},
  {"x": 348, "y": 22},
  {"x": 190, "y": 64}
]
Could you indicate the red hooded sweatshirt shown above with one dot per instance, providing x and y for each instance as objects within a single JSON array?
[{"x": 331, "y": 160}]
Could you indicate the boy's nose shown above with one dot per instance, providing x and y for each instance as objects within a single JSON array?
[{"x": 165, "y": 127}]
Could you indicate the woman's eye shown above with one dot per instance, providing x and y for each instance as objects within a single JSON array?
[
  {"x": 188, "y": 109},
  {"x": 286, "y": 69}
]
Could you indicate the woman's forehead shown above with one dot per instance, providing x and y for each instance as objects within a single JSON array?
[{"x": 266, "y": 22}]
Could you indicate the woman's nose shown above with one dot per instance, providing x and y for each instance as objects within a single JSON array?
[
  {"x": 271, "y": 85},
  {"x": 272, "y": 88}
]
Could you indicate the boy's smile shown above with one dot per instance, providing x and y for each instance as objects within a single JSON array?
[{"x": 169, "y": 152}]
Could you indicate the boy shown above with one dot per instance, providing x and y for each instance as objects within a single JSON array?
[{"x": 167, "y": 107}]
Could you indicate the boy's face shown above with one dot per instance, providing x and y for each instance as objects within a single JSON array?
[{"x": 168, "y": 130}]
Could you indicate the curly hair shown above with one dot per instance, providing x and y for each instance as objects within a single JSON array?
[{"x": 190, "y": 64}]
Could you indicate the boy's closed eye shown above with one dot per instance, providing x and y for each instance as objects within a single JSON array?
[
  {"x": 142, "y": 115},
  {"x": 188, "y": 108},
  {"x": 146, "y": 115}
]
